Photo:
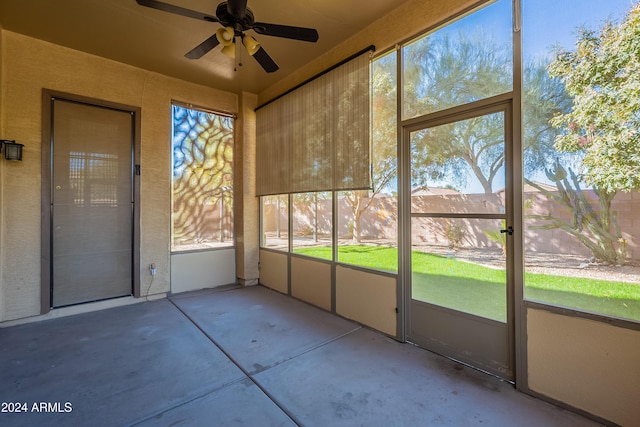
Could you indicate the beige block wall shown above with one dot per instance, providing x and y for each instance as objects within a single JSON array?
[
  {"x": 589, "y": 365},
  {"x": 29, "y": 65}
]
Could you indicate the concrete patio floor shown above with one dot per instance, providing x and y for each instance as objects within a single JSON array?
[{"x": 242, "y": 356}]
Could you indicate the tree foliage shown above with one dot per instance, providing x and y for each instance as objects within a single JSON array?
[
  {"x": 384, "y": 122},
  {"x": 383, "y": 140},
  {"x": 602, "y": 75},
  {"x": 444, "y": 71},
  {"x": 544, "y": 97},
  {"x": 447, "y": 71}
]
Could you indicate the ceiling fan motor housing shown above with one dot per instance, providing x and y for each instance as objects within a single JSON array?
[{"x": 241, "y": 22}]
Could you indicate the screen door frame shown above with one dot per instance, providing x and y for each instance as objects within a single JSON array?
[
  {"x": 414, "y": 315},
  {"x": 48, "y": 96}
]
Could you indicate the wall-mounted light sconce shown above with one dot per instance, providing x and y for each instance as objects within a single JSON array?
[{"x": 12, "y": 150}]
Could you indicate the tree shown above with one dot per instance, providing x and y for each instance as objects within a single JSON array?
[
  {"x": 308, "y": 207},
  {"x": 603, "y": 78},
  {"x": 544, "y": 97},
  {"x": 602, "y": 75},
  {"x": 596, "y": 229},
  {"x": 441, "y": 73},
  {"x": 445, "y": 72},
  {"x": 383, "y": 140}
]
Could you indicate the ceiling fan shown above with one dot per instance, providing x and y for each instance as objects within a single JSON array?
[{"x": 236, "y": 18}]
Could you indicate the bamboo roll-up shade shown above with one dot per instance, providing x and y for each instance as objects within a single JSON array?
[{"x": 316, "y": 138}]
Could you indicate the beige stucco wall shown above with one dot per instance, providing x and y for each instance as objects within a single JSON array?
[
  {"x": 247, "y": 204},
  {"x": 274, "y": 270},
  {"x": 311, "y": 281},
  {"x": 368, "y": 298},
  {"x": 29, "y": 65},
  {"x": 191, "y": 271},
  {"x": 590, "y": 365}
]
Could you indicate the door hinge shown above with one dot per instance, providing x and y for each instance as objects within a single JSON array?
[{"x": 137, "y": 168}]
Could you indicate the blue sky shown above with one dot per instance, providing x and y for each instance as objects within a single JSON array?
[
  {"x": 550, "y": 22},
  {"x": 547, "y": 22}
]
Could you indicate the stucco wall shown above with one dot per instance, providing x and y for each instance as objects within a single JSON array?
[
  {"x": 274, "y": 270},
  {"x": 247, "y": 204},
  {"x": 589, "y": 365},
  {"x": 311, "y": 281},
  {"x": 28, "y": 66},
  {"x": 353, "y": 286}
]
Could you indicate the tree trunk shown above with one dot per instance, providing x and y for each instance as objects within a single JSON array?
[
  {"x": 315, "y": 217},
  {"x": 357, "y": 214},
  {"x": 357, "y": 219},
  {"x": 278, "y": 217}
]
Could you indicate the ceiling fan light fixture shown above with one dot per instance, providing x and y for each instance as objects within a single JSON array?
[
  {"x": 229, "y": 50},
  {"x": 251, "y": 44},
  {"x": 225, "y": 35}
]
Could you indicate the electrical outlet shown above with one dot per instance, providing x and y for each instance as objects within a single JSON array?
[{"x": 152, "y": 269}]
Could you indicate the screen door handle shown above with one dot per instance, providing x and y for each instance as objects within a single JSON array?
[{"x": 508, "y": 230}]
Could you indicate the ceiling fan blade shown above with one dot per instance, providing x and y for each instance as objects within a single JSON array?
[
  {"x": 203, "y": 48},
  {"x": 166, "y": 7},
  {"x": 237, "y": 8},
  {"x": 296, "y": 33},
  {"x": 265, "y": 61}
]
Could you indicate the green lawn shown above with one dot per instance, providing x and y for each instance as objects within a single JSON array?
[{"x": 480, "y": 290}]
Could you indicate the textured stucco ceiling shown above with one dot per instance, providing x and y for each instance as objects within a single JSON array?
[{"x": 154, "y": 40}]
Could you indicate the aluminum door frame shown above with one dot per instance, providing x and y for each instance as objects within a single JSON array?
[{"x": 436, "y": 314}]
